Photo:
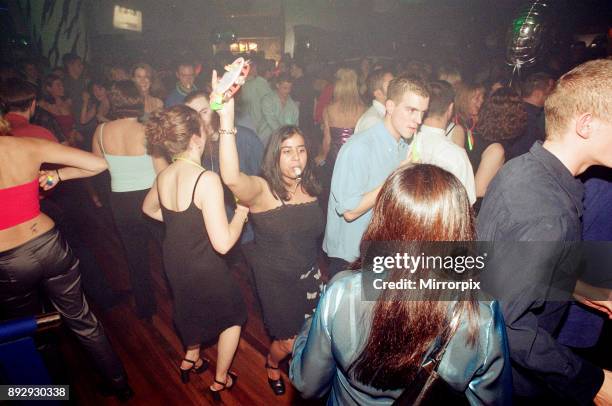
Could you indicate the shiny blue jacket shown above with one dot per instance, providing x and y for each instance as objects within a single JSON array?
[{"x": 332, "y": 339}]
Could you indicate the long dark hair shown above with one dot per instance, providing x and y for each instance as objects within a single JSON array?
[
  {"x": 421, "y": 203},
  {"x": 271, "y": 165}
]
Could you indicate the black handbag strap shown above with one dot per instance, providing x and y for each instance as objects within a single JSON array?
[{"x": 430, "y": 367}]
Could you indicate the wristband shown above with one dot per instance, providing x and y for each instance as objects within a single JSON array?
[{"x": 222, "y": 131}]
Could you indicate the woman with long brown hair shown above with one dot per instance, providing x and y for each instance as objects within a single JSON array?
[
  {"x": 468, "y": 102},
  {"x": 368, "y": 348}
]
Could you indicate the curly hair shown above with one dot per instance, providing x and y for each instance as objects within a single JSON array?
[
  {"x": 169, "y": 131},
  {"x": 125, "y": 100},
  {"x": 502, "y": 116}
]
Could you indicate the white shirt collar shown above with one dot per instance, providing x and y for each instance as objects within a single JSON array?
[
  {"x": 432, "y": 130},
  {"x": 380, "y": 108}
]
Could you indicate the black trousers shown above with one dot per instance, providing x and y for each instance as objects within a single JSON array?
[
  {"x": 47, "y": 263},
  {"x": 67, "y": 220},
  {"x": 135, "y": 231}
]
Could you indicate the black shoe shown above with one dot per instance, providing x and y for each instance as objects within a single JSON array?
[
  {"x": 215, "y": 393},
  {"x": 277, "y": 385},
  {"x": 198, "y": 370}
]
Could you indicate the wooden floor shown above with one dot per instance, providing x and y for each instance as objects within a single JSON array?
[{"x": 151, "y": 352}]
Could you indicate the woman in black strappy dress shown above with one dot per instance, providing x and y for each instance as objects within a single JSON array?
[
  {"x": 287, "y": 221},
  {"x": 189, "y": 200}
]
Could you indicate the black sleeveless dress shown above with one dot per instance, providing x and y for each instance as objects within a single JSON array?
[
  {"x": 284, "y": 259},
  {"x": 475, "y": 156},
  {"x": 207, "y": 300}
]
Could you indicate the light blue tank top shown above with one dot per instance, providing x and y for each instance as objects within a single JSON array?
[{"x": 128, "y": 172}]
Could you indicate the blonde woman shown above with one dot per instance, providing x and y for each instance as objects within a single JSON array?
[
  {"x": 143, "y": 77},
  {"x": 340, "y": 117}
]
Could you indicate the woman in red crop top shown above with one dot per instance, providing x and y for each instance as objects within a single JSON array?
[{"x": 33, "y": 255}]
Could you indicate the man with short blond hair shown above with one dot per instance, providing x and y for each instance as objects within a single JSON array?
[{"x": 537, "y": 198}]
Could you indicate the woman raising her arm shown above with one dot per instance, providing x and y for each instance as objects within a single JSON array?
[{"x": 287, "y": 222}]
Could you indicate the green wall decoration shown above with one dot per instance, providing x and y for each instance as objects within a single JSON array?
[{"x": 57, "y": 27}]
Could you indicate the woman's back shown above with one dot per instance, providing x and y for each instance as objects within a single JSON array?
[
  {"x": 186, "y": 236},
  {"x": 124, "y": 137},
  {"x": 176, "y": 187},
  {"x": 344, "y": 319},
  {"x": 18, "y": 161},
  {"x": 19, "y": 166},
  {"x": 122, "y": 143}
]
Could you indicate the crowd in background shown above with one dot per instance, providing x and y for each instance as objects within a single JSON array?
[{"x": 321, "y": 158}]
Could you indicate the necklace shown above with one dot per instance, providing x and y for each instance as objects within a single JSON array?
[
  {"x": 189, "y": 161},
  {"x": 292, "y": 193}
]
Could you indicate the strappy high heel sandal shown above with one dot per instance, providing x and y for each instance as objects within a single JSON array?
[
  {"x": 197, "y": 370},
  {"x": 215, "y": 393},
  {"x": 277, "y": 385}
]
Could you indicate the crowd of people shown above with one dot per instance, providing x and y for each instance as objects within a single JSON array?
[{"x": 294, "y": 176}]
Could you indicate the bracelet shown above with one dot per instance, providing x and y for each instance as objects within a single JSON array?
[
  {"x": 222, "y": 131},
  {"x": 58, "y": 177}
]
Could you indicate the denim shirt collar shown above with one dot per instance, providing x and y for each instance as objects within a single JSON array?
[{"x": 389, "y": 140}]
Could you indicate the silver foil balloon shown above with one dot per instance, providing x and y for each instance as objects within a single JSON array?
[{"x": 526, "y": 34}]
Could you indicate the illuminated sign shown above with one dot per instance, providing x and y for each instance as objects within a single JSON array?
[
  {"x": 243, "y": 46},
  {"x": 127, "y": 19}
]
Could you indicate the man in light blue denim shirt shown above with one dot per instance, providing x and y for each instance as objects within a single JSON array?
[{"x": 364, "y": 163}]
